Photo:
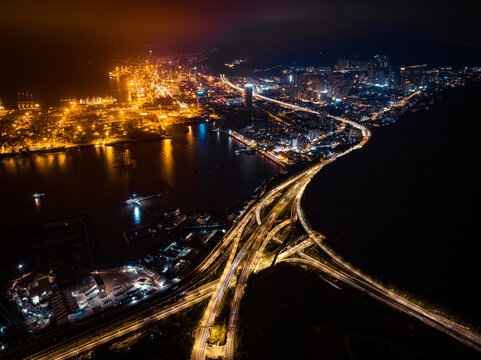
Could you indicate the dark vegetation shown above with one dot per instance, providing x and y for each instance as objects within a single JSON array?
[
  {"x": 171, "y": 339},
  {"x": 403, "y": 209},
  {"x": 290, "y": 313}
]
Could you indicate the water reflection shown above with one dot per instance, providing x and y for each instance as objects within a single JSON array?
[
  {"x": 61, "y": 158},
  {"x": 109, "y": 154},
  {"x": 203, "y": 133},
  {"x": 137, "y": 217},
  {"x": 167, "y": 162},
  {"x": 89, "y": 181},
  {"x": 190, "y": 135}
]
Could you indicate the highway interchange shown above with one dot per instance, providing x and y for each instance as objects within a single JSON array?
[{"x": 243, "y": 250}]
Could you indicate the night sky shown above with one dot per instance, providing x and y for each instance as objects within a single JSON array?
[
  {"x": 128, "y": 25},
  {"x": 41, "y": 40}
]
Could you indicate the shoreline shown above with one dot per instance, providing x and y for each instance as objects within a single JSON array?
[
  {"x": 267, "y": 155},
  {"x": 63, "y": 148}
]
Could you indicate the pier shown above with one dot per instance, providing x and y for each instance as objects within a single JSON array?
[
  {"x": 256, "y": 148},
  {"x": 137, "y": 201}
]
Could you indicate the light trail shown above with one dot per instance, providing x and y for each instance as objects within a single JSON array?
[
  {"x": 215, "y": 301},
  {"x": 254, "y": 239},
  {"x": 255, "y": 262},
  {"x": 353, "y": 277},
  {"x": 91, "y": 341},
  {"x": 260, "y": 242}
]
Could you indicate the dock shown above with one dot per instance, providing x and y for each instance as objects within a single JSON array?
[
  {"x": 262, "y": 152},
  {"x": 134, "y": 200}
]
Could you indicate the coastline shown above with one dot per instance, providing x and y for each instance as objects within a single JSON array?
[
  {"x": 409, "y": 250},
  {"x": 234, "y": 135},
  {"x": 64, "y": 148}
]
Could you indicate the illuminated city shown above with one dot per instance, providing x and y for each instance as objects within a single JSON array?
[{"x": 241, "y": 200}]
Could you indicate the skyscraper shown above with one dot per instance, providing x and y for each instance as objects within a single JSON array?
[
  {"x": 296, "y": 84},
  {"x": 248, "y": 95}
]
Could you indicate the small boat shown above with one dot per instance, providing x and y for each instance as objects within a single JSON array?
[
  {"x": 132, "y": 200},
  {"x": 38, "y": 195},
  {"x": 135, "y": 199}
]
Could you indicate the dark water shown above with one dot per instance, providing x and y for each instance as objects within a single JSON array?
[
  {"x": 403, "y": 209},
  {"x": 49, "y": 81},
  {"x": 90, "y": 181}
]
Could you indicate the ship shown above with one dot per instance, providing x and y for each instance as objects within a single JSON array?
[
  {"x": 135, "y": 199},
  {"x": 38, "y": 195}
]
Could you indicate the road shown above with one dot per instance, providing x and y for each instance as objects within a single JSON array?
[
  {"x": 91, "y": 341},
  {"x": 243, "y": 251},
  {"x": 256, "y": 242},
  {"x": 338, "y": 268}
]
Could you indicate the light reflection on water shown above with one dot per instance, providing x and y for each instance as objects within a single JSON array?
[
  {"x": 167, "y": 162},
  {"x": 90, "y": 181},
  {"x": 137, "y": 218}
]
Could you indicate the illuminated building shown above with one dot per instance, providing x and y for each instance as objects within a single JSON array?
[
  {"x": 296, "y": 83},
  {"x": 314, "y": 134},
  {"x": 25, "y": 101},
  {"x": 382, "y": 61},
  {"x": 248, "y": 95},
  {"x": 101, "y": 286}
]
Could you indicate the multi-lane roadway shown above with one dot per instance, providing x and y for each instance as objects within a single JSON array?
[{"x": 243, "y": 250}]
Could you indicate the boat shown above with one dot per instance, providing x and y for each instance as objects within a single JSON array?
[
  {"x": 132, "y": 200},
  {"x": 38, "y": 195},
  {"x": 135, "y": 199},
  {"x": 210, "y": 173}
]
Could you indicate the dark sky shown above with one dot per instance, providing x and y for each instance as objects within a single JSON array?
[
  {"x": 67, "y": 44},
  {"x": 129, "y": 25}
]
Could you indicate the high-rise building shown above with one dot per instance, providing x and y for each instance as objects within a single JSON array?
[
  {"x": 301, "y": 143},
  {"x": 248, "y": 95},
  {"x": 382, "y": 61},
  {"x": 296, "y": 85},
  {"x": 314, "y": 134},
  {"x": 355, "y": 135}
]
